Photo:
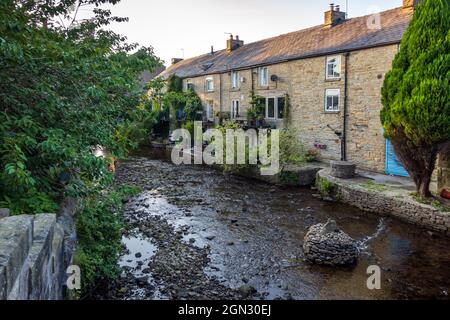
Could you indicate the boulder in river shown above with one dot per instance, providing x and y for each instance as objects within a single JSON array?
[{"x": 326, "y": 244}]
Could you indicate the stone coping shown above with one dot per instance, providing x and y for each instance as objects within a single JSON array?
[{"x": 388, "y": 200}]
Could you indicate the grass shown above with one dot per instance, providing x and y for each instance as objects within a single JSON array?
[
  {"x": 372, "y": 186},
  {"x": 434, "y": 202},
  {"x": 325, "y": 187}
]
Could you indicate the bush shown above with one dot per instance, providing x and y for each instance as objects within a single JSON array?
[
  {"x": 292, "y": 150},
  {"x": 99, "y": 230}
]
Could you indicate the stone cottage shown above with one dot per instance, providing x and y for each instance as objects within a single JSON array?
[{"x": 331, "y": 75}]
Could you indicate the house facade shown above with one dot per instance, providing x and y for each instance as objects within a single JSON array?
[{"x": 329, "y": 77}]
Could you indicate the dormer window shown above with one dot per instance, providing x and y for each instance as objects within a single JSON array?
[
  {"x": 209, "y": 84},
  {"x": 333, "y": 68}
]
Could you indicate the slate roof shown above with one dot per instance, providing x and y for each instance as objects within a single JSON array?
[{"x": 352, "y": 34}]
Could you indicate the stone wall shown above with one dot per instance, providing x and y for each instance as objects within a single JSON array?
[
  {"x": 34, "y": 254},
  {"x": 305, "y": 82},
  {"x": 397, "y": 203}
]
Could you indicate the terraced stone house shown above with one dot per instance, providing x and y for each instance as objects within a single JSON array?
[{"x": 331, "y": 75}]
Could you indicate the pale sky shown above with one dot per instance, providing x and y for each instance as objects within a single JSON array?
[{"x": 194, "y": 25}]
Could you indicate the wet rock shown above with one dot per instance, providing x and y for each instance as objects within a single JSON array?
[
  {"x": 326, "y": 244},
  {"x": 328, "y": 199},
  {"x": 210, "y": 238},
  {"x": 247, "y": 290},
  {"x": 138, "y": 255}
]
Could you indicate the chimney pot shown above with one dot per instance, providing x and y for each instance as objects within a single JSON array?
[
  {"x": 338, "y": 8},
  {"x": 332, "y": 6}
]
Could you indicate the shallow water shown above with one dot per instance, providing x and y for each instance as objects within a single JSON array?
[{"x": 255, "y": 234}]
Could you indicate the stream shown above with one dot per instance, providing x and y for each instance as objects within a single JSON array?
[{"x": 196, "y": 233}]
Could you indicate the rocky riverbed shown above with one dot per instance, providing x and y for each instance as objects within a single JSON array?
[{"x": 194, "y": 233}]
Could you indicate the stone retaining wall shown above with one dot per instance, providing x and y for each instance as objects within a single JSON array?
[
  {"x": 34, "y": 254},
  {"x": 392, "y": 203}
]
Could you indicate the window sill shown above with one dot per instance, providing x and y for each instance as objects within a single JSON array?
[
  {"x": 235, "y": 89},
  {"x": 332, "y": 112},
  {"x": 263, "y": 88},
  {"x": 210, "y": 91},
  {"x": 332, "y": 79}
]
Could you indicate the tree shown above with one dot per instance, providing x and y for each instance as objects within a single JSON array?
[
  {"x": 66, "y": 86},
  {"x": 416, "y": 93}
]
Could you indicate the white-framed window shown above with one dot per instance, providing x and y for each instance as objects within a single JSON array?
[
  {"x": 235, "y": 104},
  {"x": 263, "y": 75},
  {"x": 332, "y": 99},
  {"x": 333, "y": 68},
  {"x": 210, "y": 110},
  {"x": 209, "y": 84},
  {"x": 235, "y": 79},
  {"x": 275, "y": 107}
]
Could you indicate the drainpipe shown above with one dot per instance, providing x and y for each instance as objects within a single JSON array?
[
  {"x": 344, "y": 132},
  {"x": 220, "y": 99}
]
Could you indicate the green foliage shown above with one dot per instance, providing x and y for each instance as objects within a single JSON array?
[
  {"x": 325, "y": 187},
  {"x": 99, "y": 226},
  {"x": 289, "y": 178},
  {"x": 416, "y": 92},
  {"x": 233, "y": 168},
  {"x": 292, "y": 150},
  {"x": 375, "y": 187},
  {"x": 172, "y": 101},
  {"x": 174, "y": 84},
  {"x": 63, "y": 91},
  {"x": 257, "y": 110}
]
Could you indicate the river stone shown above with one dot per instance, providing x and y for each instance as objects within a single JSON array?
[
  {"x": 4, "y": 213},
  {"x": 326, "y": 244}
]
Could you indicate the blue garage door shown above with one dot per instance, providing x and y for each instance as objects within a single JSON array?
[{"x": 393, "y": 164}]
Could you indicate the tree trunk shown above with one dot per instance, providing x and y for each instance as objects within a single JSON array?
[
  {"x": 419, "y": 161},
  {"x": 423, "y": 186}
]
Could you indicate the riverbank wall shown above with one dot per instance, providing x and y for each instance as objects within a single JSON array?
[
  {"x": 385, "y": 200},
  {"x": 35, "y": 251}
]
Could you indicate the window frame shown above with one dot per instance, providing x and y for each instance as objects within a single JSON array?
[
  {"x": 235, "y": 102},
  {"x": 210, "y": 106},
  {"x": 332, "y": 93},
  {"x": 275, "y": 107},
  {"x": 235, "y": 77},
  {"x": 338, "y": 63},
  {"x": 260, "y": 73},
  {"x": 209, "y": 80}
]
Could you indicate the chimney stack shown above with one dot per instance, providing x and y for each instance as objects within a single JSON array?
[
  {"x": 176, "y": 60},
  {"x": 334, "y": 16},
  {"x": 410, "y": 4},
  {"x": 233, "y": 44}
]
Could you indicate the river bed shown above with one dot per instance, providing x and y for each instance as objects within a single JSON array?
[{"x": 195, "y": 233}]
